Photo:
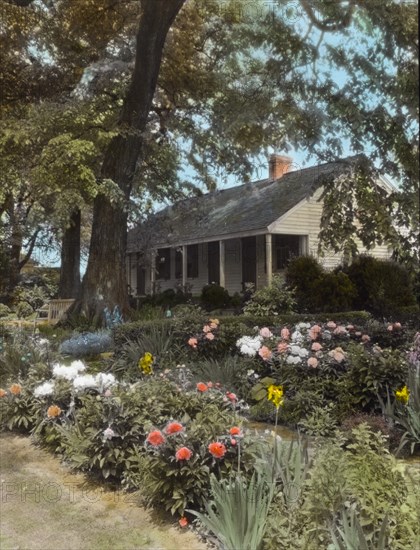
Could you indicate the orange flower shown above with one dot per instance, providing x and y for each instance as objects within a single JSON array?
[
  {"x": 3, "y": 393},
  {"x": 218, "y": 450},
  {"x": 183, "y": 522},
  {"x": 193, "y": 342},
  {"x": 202, "y": 387},
  {"x": 235, "y": 430},
  {"x": 183, "y": 453},
  {"x": 53, "y": 411},
  {"x": 174, "y": 427},
  {"x": 155, "y": 438},
  {"x": 15, "y": 389}
]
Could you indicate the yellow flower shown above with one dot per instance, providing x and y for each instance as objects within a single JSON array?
[
  {"x": 145, "y": 363},
  {"x": 403, "y": 395},
  {"x": 275, "y": 395}
]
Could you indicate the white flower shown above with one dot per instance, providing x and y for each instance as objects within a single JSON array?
[
  {"x": 297, "y": 336},
  {"x": 47, "y": 388},
  {"x": 109, "y": 433},
  {"x": 301, "y": 326},
  {"x": 69, "y": 373},
  {"x": 303, "y": 352},
  {"x": 295, "y": 350},
  {"x": 249, "y": 345},
  {"x": 84, "y": 381},
  {"x": 293, "y": 360},
  {"x": 104, "y": 381}
]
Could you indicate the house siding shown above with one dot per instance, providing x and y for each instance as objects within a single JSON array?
[{"x": 305, "y": 219}]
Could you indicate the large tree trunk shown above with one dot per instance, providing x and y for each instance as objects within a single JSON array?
[
  {"x": 69, "y": 285},
  {"x": 105, "y": 283}
]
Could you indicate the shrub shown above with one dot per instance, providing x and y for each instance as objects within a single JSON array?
[
  {"x": 333, "y": 292},
  {"x": 383, "y": 286},
  {"x": 214, "y": 297},
  {"x": 4, "y": 310},
  {"x": 271, "y": 300},
  {"x": 301, "y": 275},
  {"x": 87, "y": 344}
]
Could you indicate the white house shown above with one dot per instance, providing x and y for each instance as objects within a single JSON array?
[{"x": 235, "y": 236}]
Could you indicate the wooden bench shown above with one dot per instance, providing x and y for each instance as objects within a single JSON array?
[{"x": 53, "y": 311}]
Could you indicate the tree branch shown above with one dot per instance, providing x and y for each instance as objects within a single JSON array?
[
  {"x": 329, "y": 25},
  {"x": 28, "y": 255}
]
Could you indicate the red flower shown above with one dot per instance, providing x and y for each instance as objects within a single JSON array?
[
  {"x": 231, "y": 396},
  {"x": 202, "y": 387},
  {"x": 183, "y": 522},
  {"x": 235, "y": 430},
  {"x": 218, "y": 450},
  {"x": 183, "y": 453},
  {"x": 174, "y": 427},
  {"x": 155, "y": 438}
]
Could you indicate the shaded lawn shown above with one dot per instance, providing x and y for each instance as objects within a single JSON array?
[{"x": 45, "y": 506}]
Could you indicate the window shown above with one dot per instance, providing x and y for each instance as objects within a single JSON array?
[
  {"x": 163, "y": 263},
  {"x": 192, "y": 261},
  {"x": 287, "y": 246}
]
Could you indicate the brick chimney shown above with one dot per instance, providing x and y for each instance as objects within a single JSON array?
[{"x": 278, "y": 165}]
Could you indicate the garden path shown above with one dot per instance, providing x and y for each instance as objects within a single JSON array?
[{"x": 45, "y": 506}]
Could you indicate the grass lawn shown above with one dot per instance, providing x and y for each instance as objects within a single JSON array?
[{"x": 44, "y": 506}]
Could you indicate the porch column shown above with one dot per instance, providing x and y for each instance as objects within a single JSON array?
[
  {"x": 184, "y": 267},
  {"x": 222, "y": 263},
  {"x": 269, "y": 258},
  {"x": 153, "y": 273}
]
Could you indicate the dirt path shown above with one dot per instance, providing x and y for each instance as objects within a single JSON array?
[{"x": 44, "y": 506}]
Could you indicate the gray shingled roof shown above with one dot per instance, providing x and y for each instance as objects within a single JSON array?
[{"x": 249, "y": 207}]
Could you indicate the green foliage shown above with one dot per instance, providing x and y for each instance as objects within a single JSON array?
[
  {"x": 333, "y": 292},
  {"x": 271, "y": 300},
  {"x": 237, "y": 513},
  {"x": 4, "y": 310},
  {"x": 214, "y": 297},
  {"x": 372, "y": 374},
  {"x": 350, "y": 535},
  {"x": 320, "y": 422},
  {"x": 383, "y": 287},
  {"x": 230, "y": 372},
  {"x": 302, "y": 273}
]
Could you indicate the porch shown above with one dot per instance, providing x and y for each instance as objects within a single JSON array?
[{"x": 231, "y": 263}]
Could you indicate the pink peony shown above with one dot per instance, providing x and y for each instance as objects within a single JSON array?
[
  {"x": 265, "y": 353},
  {"x": 340, "y": 330},
  {"x": 331, "y": 325},
  {"x": 285, "y": 333},
  {"x": 337, "y": 354},
  {"x": 231, "y": 396},
  {"x": 206, "y": 328},
  {"x": 282, "y": 347},
  {"x": 397, "y": 326},
  {"x": 350, "y": 327},
  {"x": 210, "y": 336},
  {"x": 390, "y": 328},
  {"x": 365, "y": 338},
  {"x": 316, "y": 346},
  {"x": 266, "y": 332},
  {"x": 312, "y": 362},
  {"x": 233, "y": 441}
]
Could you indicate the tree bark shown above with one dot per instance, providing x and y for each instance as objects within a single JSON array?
[
  {"x": 105, "y": 283},
  {"x": 69, "y": 285}
]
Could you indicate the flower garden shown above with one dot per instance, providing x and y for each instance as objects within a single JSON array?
[{"x": 180, "y": 410}]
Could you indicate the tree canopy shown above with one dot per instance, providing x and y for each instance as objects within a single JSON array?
[{"x": 236, "y": 80}]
